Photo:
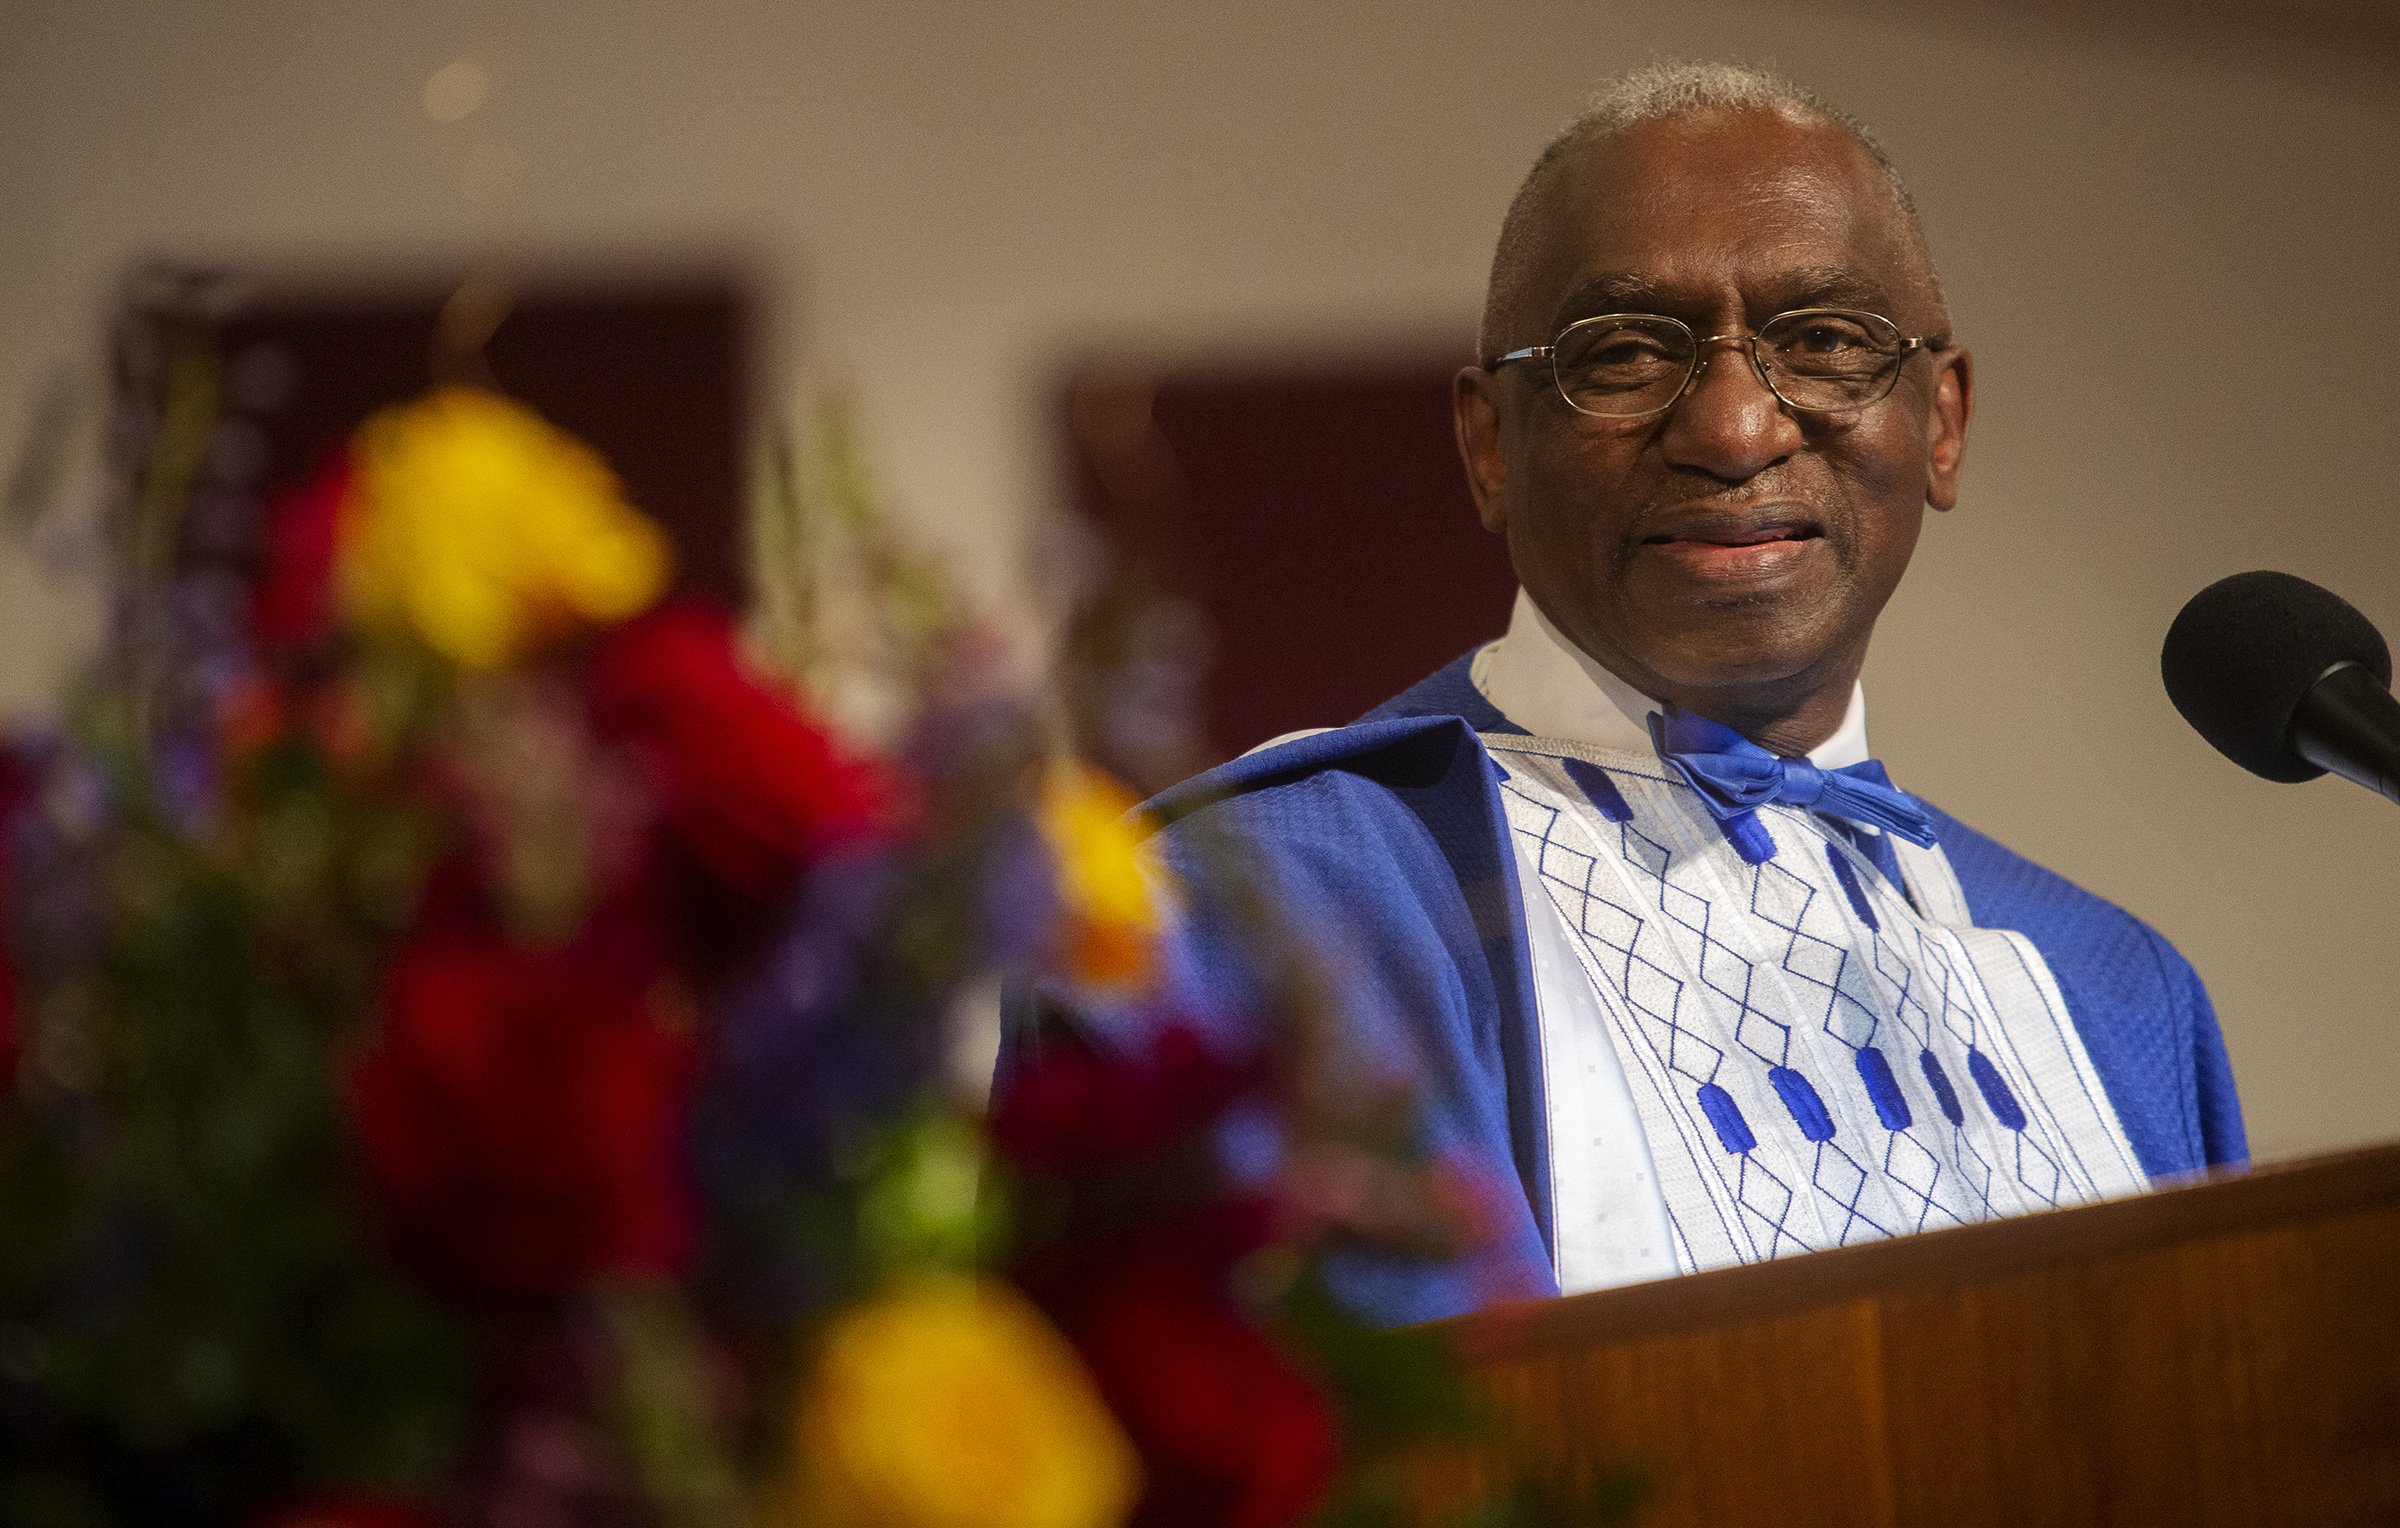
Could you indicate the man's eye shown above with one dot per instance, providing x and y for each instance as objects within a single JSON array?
[
  {"x": 1620, "y": 350},
  {"x": 1828, "y": 339},
  {"x": 1628, "y": 352}
]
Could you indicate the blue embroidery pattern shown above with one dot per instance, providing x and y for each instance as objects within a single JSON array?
[
  {"x": 1943, "y": 1093},
  {"x": 1726, "y": 1116},
  {"x": 1715, "y": 1007},
  {"x": 1883, "y": 1089},
  {"x": 2003, "y": 1103},
  {"x": 1800, "y": 1096},
  {"x": 1595, "y": 783},
  {"x": 1851, "y": 889}
]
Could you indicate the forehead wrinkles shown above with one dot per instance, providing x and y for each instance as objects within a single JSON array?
[{"x": 1725, "y": 205}]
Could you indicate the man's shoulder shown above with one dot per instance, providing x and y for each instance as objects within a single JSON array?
[
  {"x": 1421, "y": 743},
  {"x": 1397, "y": 809},
  {"x": 2139, "y": 1006},
  {"x": 2006, "y": 890},
  {"x": 1447, "y": 691},
  {"x": 1339, "y": 794}
]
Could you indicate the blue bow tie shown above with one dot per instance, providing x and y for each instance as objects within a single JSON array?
[{"x": 1735, "y": 776}]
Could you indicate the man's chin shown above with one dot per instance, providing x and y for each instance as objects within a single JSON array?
[
  {"x": 1755, "y": 659},
  {"x": 1752, "y": 642}
]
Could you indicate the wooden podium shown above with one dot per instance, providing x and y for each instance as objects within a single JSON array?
[{"x": 2223, "y": 1353}]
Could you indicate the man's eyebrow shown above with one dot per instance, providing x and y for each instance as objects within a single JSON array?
[
  {"x": 1828, "y": 286},
  {"x": 1812, "y": 286},
  {"x": 1609, "y": 292}
]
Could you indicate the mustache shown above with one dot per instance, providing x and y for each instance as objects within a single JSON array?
[{"x": 1728, "y": 524}]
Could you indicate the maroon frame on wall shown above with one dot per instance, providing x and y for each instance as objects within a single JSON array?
[
  {"x": 653, "y": 373},
  {"x": 1319, "y": 518}
]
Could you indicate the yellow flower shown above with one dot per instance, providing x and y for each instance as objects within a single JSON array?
[
  {"x": 479, "y": 528},
  {"x": 1112, "y": 913},
  {"x": 952, "y": 1403}
]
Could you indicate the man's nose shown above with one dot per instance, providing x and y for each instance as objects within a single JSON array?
[{"x": 1729, "y": 423}]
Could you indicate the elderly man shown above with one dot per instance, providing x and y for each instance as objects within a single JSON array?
[{"x": 1660, "y": 935}]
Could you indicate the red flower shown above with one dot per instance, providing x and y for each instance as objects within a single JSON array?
[
  {"x": 521, "y": 1113},
  {"x": 291, "y": 600},
  {"x": 747, "y": 785},
  {"x": 1073, "y": 1109},
  {"x": 251, "y": 713},
  {"x": 1232, "y": 1433}
]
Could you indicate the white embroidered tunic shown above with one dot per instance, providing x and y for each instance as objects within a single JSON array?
[{"x": 1745, "y": 1061}]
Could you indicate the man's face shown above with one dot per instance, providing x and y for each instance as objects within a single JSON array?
[{"x": 1730, "y": 554}]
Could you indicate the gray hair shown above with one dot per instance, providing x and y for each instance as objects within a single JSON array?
[{"x": 1662, "y": 89}]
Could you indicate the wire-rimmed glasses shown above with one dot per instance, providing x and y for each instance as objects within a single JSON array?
[{"x": 1818, "y": 360}]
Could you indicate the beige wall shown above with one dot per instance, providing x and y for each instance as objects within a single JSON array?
[{"x": 952, "y": 196}]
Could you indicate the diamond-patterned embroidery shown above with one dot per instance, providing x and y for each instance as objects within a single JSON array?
[
  {"x": 1913, "y": 1170},
  {"x": 1722, "y": 990},
  {"x": 2045, "y": 1179},
  {"x": 1838, "y": 1176},
  {"x": 1769, "y": 1201}
]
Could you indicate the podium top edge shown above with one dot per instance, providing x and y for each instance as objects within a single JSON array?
[{"x": 2225, "y": 1202}]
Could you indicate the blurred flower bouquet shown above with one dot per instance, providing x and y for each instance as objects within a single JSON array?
[{"x": 479, "y": 1050}]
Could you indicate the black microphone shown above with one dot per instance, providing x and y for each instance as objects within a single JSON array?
[{"x": 2286, "y": 680}]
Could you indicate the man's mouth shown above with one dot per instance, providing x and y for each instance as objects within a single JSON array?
[
  {"x": 1736, "y": 533},
  {"x": 1739, "y": 547},
  {"x": 1738, "y": 539}
]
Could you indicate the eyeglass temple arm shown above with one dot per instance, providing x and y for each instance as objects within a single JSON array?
[{"x": 1529, "y": 353}]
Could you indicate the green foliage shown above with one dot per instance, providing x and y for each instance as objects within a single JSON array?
[
  {"x": 1397, "y": 1386},
  {"x": 1602, "y": 1501},
  {"x": 187, "y": 1261},
  {"x": 842, "y": 605},
  {"x": 1404, "y": 1389},
  {"x": 664, "y": 1408},
  {"x": 926, "y": 1203}
]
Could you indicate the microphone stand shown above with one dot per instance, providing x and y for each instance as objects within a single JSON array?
[{"x": 2348, "y": 724}]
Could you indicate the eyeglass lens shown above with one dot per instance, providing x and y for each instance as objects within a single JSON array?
[{"x": 1624, "y": 365}]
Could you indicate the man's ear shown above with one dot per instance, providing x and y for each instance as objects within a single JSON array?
[
  {"x": 1476, "y": 414},
  {"x": 1946, "y": 425}
]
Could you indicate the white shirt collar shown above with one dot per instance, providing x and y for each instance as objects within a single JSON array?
[{"x": 1552, "y": 688}]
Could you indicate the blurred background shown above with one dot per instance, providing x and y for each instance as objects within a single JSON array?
[{"x": 1191, "y": 279}]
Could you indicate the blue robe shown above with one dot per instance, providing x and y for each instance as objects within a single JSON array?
[{"x": 1385, "y": 844}]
